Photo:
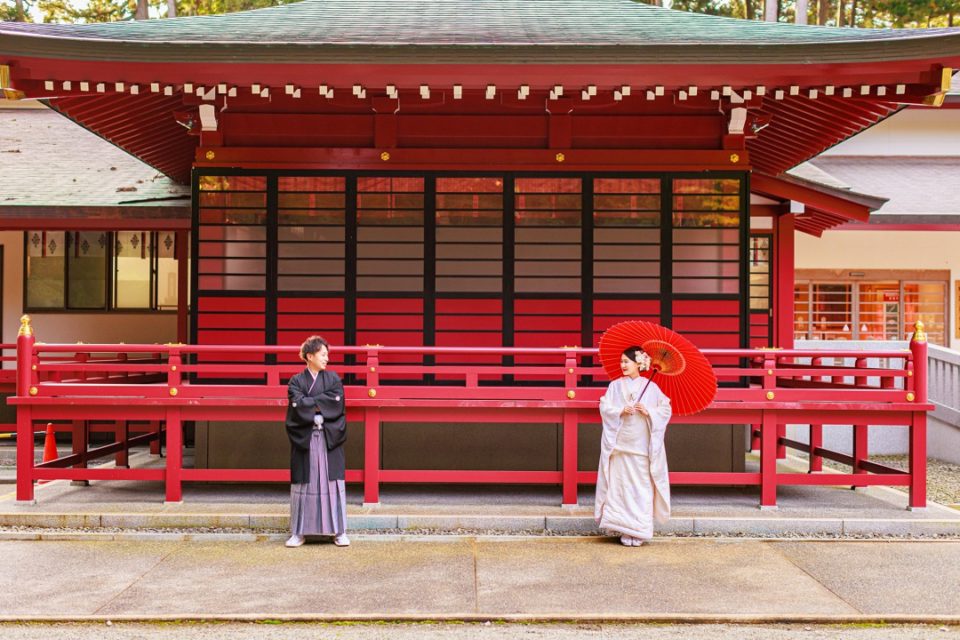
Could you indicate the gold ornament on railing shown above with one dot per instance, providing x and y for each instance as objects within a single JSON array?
[
  {"x": 25, "y": 328},
  {"x": 919, "y": 335}
]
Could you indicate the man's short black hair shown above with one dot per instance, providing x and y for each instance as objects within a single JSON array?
[{"x": 312, "y": 345}]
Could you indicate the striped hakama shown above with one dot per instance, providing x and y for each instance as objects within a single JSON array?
[{"x": 318, "y": 507}]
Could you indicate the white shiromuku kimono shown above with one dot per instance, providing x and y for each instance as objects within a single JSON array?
[{"x": 633, "y": 487}]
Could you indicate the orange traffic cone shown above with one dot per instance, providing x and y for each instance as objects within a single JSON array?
[
  {"x": 49, "y": 447},
  {"x": 49, "y": 444}
]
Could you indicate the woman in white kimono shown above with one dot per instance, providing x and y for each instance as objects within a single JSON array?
[{"x": 633, "y": 487}]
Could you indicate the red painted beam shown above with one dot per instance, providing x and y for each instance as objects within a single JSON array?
[
  {"x": 476, "y": 159},
  {"x": 782, "y": 189}
]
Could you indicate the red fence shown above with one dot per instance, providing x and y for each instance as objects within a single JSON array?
[{"x": 165, "y": 386}]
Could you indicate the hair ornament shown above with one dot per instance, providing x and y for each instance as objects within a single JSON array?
[{"x": 643, "y": 360}]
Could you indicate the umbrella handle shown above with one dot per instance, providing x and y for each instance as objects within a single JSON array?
[{"x": 654, "y": 372}]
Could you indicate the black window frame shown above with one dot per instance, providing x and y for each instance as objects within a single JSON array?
[{"x": 109, "y": 271}]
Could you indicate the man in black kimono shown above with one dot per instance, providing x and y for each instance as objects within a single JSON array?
[{"x": 316, "y": 426}]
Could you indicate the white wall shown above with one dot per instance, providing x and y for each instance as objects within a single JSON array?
[
  {"x": 912, "y": 132},
  {"x": 70, "y": 327},
  {"x": 905, "y": 250}
]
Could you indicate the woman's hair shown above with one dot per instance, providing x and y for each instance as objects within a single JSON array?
[
  {"x": 312, "y": 345},
  {"x": 638, "y": 355}
]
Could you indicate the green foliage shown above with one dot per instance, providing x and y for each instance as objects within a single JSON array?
[
  {"x": 208, "y": 7},
  {"x": 74, "y": 11},
  {"x": 15, "y": 10},
  {"x": 93, "y": 11},
  {"x": 712, "y": 7}
]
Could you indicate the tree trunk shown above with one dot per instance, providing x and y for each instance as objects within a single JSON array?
[
  {"x": 771, "y": 10},
  {"x": 749, "y": 10},
  {"x": 142, "y": 13},
  {"x": 823, "y": 12},
  {"x": 20, "y": 15},
  {"x": 801, "y": 15},
  {"x": 171, "y": 8},
  {"x": 840, "y": 14},
  {"x": 853, "y": 13}
]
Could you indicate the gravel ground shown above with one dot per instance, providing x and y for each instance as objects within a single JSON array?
[
  {"x": 271, "y": 630},
  {"x": 943, "y": 478},
  {"x": 175, "y": 531}
]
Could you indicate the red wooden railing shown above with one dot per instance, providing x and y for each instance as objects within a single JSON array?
[{"x": 172, "y": 384}]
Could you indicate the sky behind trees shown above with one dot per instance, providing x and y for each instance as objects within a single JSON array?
[{"x": 847, "y": 13}]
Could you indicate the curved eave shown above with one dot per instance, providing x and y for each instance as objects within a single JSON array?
[{"x": 940, "y": 46}]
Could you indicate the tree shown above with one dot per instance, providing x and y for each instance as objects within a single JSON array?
[{"x": 17, "y": 11}]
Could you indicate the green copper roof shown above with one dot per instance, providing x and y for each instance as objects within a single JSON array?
[
  {"x": 468, "y": 22},
  {"x": 486, "y": 25}
]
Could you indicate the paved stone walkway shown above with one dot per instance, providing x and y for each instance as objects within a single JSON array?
[{"x": 477, "y": 578}]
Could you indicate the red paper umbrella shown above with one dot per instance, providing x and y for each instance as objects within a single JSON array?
[{"x": 682, "y": 372}]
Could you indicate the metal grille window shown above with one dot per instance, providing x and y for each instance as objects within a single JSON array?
[
  {"x": 469, "y": 239},
  {"x": 869, "y": 310},
  {"x": 626, "y": 235},
  {"x": 389, "y": 234},
  {"x": 232, "y": 242},
  {"x": 471, "y": 260},
  {"x": 706, "y": 236},
  {"x": 310, "y": 234},
  {"x": 547, "y": 236}
]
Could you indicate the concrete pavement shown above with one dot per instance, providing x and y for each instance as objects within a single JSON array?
[{"x": 481, "y": 578}]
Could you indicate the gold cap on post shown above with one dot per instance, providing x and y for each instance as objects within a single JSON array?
[
  {"x": 6, "y": 89},
  {"x": 919, "y": 335},
  {"x": 937, "y": 98},
  {"x": 25, "y": 328}
]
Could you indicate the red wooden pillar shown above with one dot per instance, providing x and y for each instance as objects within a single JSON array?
[
  {"x": 154, "y": 426},
  {"x": 371, "y": 456},
  {"x": 768, "y": 460},
  {"x": 861, "y": 432},
  {"x": 121, "y": 431},
  {"x": 783, "y": 256},
  {"x": 80, "y": 439},
  {"x": 769, "y": 434},
  {"x": 918, "y": 425},
  {"x": 26, "y": 386},
  {"x": 770, "y": 383},
  {"x": 174, "y": 467},
  {"x": 816, "y": 442},
  {"x": 371, "y": 435},
  {"x": 570, "y": 429}
]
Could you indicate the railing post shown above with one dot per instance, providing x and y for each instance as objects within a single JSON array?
[
  {"x": 174, "y": 374},
  {"x": 768, "y": 460},
  {"x": 25, "y": 386},
  {"x": 371, "y": 435},
  {"x": 174, "y": 466},
  {"x": 82, "y": 358},
  {"x": 770, "y": 383},
  {"x": 861, "y": 433},
  {"x": 570, "y": 434},
  {"x": 918, "y": 424},
  {"x": 79, "y": 440},
  {"x": 121, "y": 431},
  {"x": 769, "y": 437},
  {"x": 816, "y": 442}
]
